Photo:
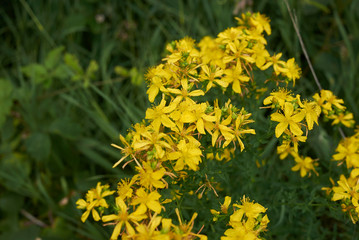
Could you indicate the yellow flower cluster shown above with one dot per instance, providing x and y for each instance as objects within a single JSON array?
[
  {"x": 247, "y": 220},
  {"x": 169, "y": 144},
  {"x": 333, "y": 108},
  {"x": 95, "y": 198},
  {"x": 347, "y": 190},
  {"x": 293, "y": 115}
]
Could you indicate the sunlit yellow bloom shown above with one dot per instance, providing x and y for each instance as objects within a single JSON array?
[
  {"x": 327, "y": 99},
  {"x": 195, "y": 113},
  {"x": 261, "y": 22},
  {"x": 238, "y": 51},
  {"x": 239, "y": 130},
  {"x": 156, "y": 77},
  {"x": 250, "y": 209},
  {"x": 159, "y": 115},
  {"x": 311, "y": 110},
  {"x": 345, "y": 119},
  {"x": 124, "y": 188},
  {"x": 226, "y": 155},
  {"x": 280, "y": 96},
  {"x": 127, "y": 150},
  {"x": 188, "y": 154},
  {"x": 185, "y": 93},
  {"x": 211, "y": 53},
  {"x": 284, "y": 150},
  {"x": 225, "y": 205},
  {"x": 289, "y": 118},
  {"x": 235, "y": 77},
  {"x": 346, "y": 189},
  {"x": 183, "y": 231},
  {"x": 260, "y": 54},
  {"x": 154, "y": 140},
  {"x": 150, "y": 178},
  {"x": 305, "y": 165},
  {"x": 295, "y": 139},
  {"x": 348, "y": 150},
  {"x": 229, "y": 35},
  {"x": 221, "y": 127},
  {"x": 278, "y": 65},
  {"x": 94, "y": 198},
  {"x": 212, "y": 75},
  {"x": 294, "y": 71},
  {"x": 124, "y": 218},
  {"x": 149, "y": 200},
  {"x": 149, "y": 231}
]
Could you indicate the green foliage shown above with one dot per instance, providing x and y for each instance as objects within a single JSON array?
[{"x": 71, "y": 80}]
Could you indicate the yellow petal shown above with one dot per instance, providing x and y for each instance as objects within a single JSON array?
[{"x": 281, "y": 127}]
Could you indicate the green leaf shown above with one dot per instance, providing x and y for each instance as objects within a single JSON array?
[
  {"x": 35, "y": 71},
  {"x": 136, "y": 77},
  {"x": 61, "y": 72},
  {"x": 119, "y": 70},
  {"x": 5, "y": 99},
  {"x": 90, "y": 72},
  {"x": 73, "y": 63},
  {"x": 38, "y": 145},
  {"x": 53, "y": 57}
]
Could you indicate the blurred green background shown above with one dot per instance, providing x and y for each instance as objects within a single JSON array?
[{"x": 71, "y": 80}]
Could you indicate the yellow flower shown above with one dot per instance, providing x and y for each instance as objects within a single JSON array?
[
  {"x": 150, "y": 178},
  {"x": 247, "y": 221},
  {"x": 212, "y": 75},
  {"x": 149, "y": 200},
  {"x": 290, "y": 118},
  {"x": 260, "y": 54},
  {"x": 250, "y": 209},
  {"x": 195, "y": 113},
  {"x": 225, "y": 205},
  {"x": 156, "y": 77},
  {"x": 188, "y": 153},
  {"x": 239, "y": 130},
  {"x": 278, "y": 65},
  {"x": 235, "y": 76},
  {"x": 345, "y": 189},
  {"x": 295, "y": 139},
  {"x": 94, "y": 198},
  {"x": 304, "y": 165},
  {"x": 159, "y": 115},
  {"x": 123, "y": 218},
  {"x": 149, "y": 231},
  {"x": 221, "y": 127},
  {"x": 237, "y": 51},
  {"x": 127, "y": 150},
  {"x": 185, "y": 93},
  {"x": 155, "y": 140},
  {"x": 280, "y": 96},
  {"x": 348, "y": 150},
  {"x": 124, "y": 188},
  {"x": 311, "y": 110},
  {"x": 183, "y": 231},
  {"x": 229, "y": 35},
  {"x": 261, "y": 22},
  {"x": 327, "y": 99},
  {"x": 238, "y": 233},
  {"x": 345, "y": 119},
  {"x": 284, "y": 149},
  {"x": 294, "y": 71}
]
